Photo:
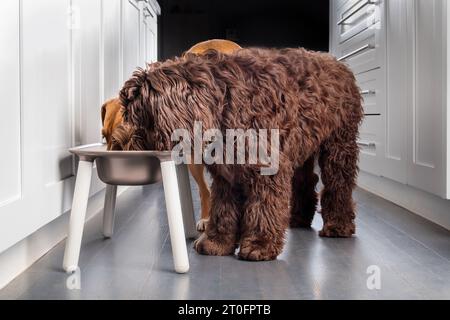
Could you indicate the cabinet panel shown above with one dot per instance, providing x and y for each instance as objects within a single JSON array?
[
  {"x": 131, "y": 40},
  {"x": 46, "y": 98},
  {"x": 428, "y": 106},
  {"x": 150, "y": 35},
  {"x": 112, "y": 63},
  {"x": 86, "y": 72},
  {"x": 46, "y": 118},
  {"x": 397, "y": 73},
  {"x": 10, "y": 168},
  {"x": 426, "y": 126}
]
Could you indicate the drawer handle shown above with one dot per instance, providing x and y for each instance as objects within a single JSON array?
[
  {"x": 365, "y": 3},
  {"x": 355, "y": 52},
  {"x": 366, "y": 92},
  {"x": 147, "y": 12},
  {"x": 366, "y": 143}
]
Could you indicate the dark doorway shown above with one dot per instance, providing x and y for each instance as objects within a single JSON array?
[{"x": 281, "y": 23}]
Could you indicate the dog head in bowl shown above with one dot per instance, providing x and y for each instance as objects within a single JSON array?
[{"x": 120, "y": 136}]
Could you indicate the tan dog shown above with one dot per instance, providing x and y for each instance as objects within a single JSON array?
[{"x": 112, "y": 117}]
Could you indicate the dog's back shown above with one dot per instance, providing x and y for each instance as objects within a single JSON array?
[
  {"x": 289, "y": 89},
  {"x": 221, "y": 45}
]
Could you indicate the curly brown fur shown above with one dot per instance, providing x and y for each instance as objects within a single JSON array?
[
  {"x": 304, "y": 195},
  {"x": 311, "y": 97}
]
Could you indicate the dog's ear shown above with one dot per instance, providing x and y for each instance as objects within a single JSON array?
[
  {"x": 131, "y": 90},
  {"x": 103, "y": 113},
  {"x": 134, "y": 98}
]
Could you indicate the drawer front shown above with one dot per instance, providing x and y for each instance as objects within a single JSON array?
[
  {"x": 370, "y": 144},
  {"x": 340, "y": 3},
  {"x": 370, "y": 85},
  {"x": 362, "y": 52},
  {"x": 356, "y": 16}
]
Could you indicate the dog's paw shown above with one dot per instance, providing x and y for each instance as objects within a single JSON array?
[
  {"x": 201, "y": 225},
  {"x": 337, "y": 230},
  {"x": 204, "y": 245},
  {"x": 254, "y": 251}
]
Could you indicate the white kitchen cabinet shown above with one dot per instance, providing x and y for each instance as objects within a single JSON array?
[
  {"x": 357, "y": 39},
  {"x": 60, "y": 59},
  {"x": 417, "y": 107},
  {"x": 39, "y": 160},
  {"x": 401, "y": 52}
]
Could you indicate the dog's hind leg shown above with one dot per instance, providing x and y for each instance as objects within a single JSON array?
[
  {"x": 266, "y": 216},
  {"x": 304, "y": 195},
  {"x": 338, "y": 161},
  {"x": 197, "y": 171},
  {"x": 222, "y": 228}
]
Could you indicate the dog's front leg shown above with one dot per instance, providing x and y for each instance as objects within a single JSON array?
[
  {"x": 222, "y": 229},
  {"x": 266, "y": 216}
]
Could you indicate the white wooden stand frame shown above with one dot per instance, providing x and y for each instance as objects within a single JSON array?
[{"x": 180, "y": 212}]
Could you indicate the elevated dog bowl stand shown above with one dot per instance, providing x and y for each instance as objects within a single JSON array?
[{"x": 112, "y": 169}]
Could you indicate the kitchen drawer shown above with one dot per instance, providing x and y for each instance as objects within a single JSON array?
[
  {"x": 371, "y": 86},
  {"x": 370, "y": 143},
  {"x": 362, "y": 52},
  {"x": 356, "y": 16},
  {"x": 340, "y": 3}
]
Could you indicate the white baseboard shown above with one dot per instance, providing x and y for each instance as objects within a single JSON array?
[
  {"x": 424, "y": 204},
  {"x": 23, "y": 254}
]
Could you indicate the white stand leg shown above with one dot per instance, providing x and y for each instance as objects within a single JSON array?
[
  {"x": 77, "y": 216},
  {"x": 174, "y": 216},
  {"x": 184, "y": 187},
  {"x": 108, "y": 211}
]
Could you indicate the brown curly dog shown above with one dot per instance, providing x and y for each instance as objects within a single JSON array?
[
  {"x": 111, "y": 113},
  {"x": 309, "y": 96}
]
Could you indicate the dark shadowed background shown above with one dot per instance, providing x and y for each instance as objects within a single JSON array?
[{"x": 280, "y": 23}]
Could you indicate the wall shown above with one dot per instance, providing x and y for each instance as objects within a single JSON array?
[{"x": 283, "y": 23}]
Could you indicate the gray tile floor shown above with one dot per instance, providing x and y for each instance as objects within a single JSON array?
[{"x": 413, "y": 256}]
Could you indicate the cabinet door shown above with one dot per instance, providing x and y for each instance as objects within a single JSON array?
[
  {"x": 40, "y": 181},
  {"x": 131, "y": 37},
  {"x": 427, "y": 103}
]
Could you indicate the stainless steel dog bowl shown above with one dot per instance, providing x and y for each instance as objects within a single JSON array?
[{"x": 128, "y": 168}]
